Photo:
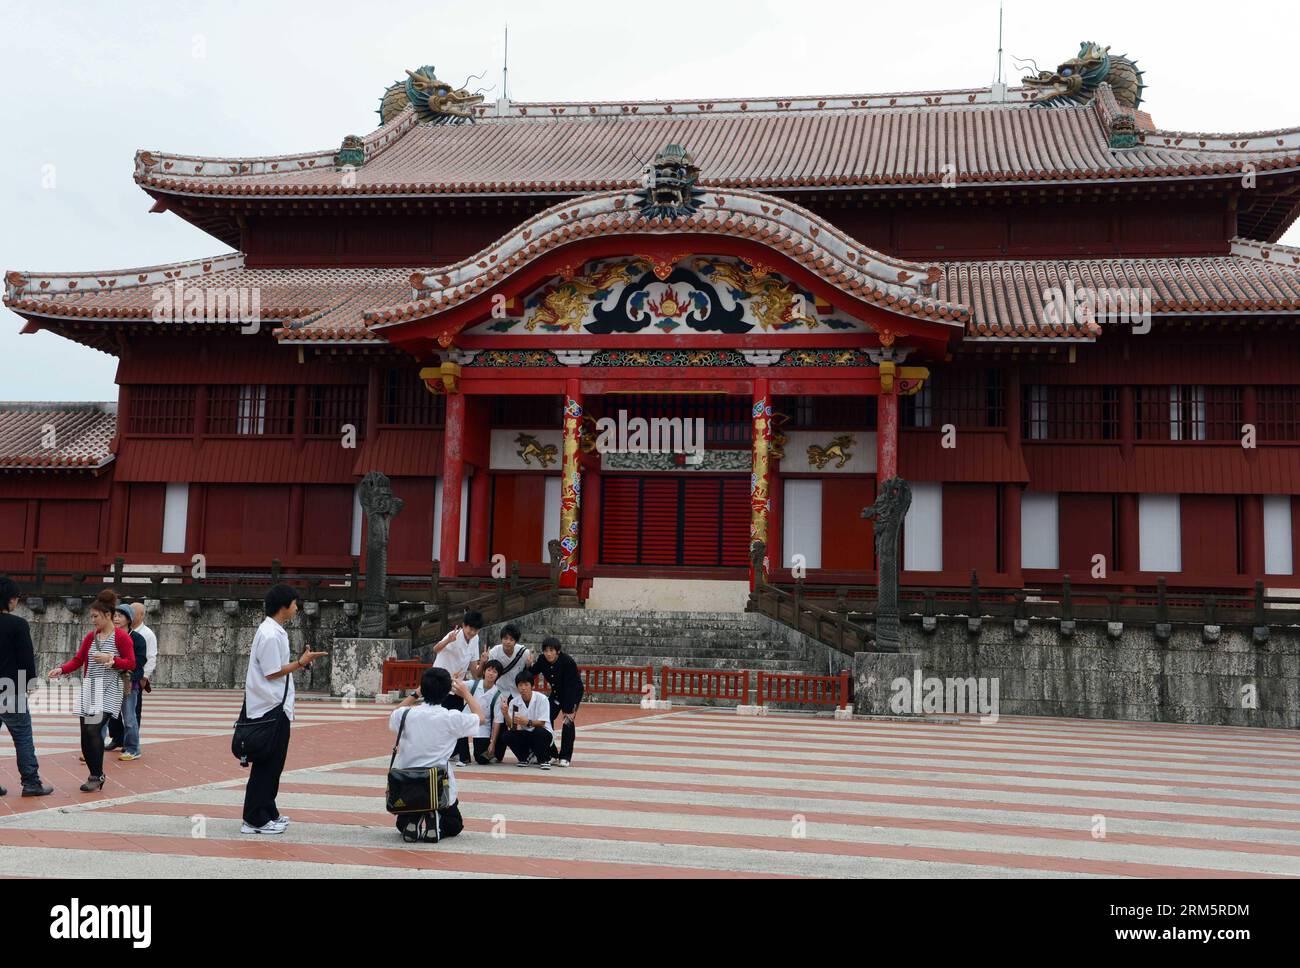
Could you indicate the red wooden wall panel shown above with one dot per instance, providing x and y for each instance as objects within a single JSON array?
[
  {"x": 13, "y": 525},
  {"x": 1211, "y": 536},
  {"x": 144, "y": 519},
  {"x": 411, "y": 534},
  {"x": 327, "y": 520},
  {"x": 68, "y": 526},
  {"x": 620, "y": 515},
  {"x": 970, "y": 528},
  {"x": 1086, "y": 528},
  {"x": 518, "y": 508},
  {"x": 847, "y": 539}
]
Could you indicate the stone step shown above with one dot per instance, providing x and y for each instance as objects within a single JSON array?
[
  {"x": 534, "y": 635},
  {"x": 584, "y": 617},
  {"x": 696, "y": 662},
  {"x": 632, "y": 641},
  {"x": 703, "y": 650}
]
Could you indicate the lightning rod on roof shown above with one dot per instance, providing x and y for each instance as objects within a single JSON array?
[
  {"x": 999, "y": 91},
  {"x": 505, "y": 67}
]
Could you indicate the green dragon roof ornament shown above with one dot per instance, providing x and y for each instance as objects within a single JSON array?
[
  {"x": 1076, "y": 81},
  {"x": 435, "y": 101}
]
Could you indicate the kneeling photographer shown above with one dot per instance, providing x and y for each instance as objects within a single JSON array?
[{"x": 427, "y": 733}]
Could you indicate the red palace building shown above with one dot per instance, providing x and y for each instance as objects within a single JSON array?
[{"x": 1071, "y": 331}]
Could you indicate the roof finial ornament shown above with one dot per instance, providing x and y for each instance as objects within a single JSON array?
[
  {"x": 435, "y": 101},
  {"x": 670, "y": 190},
  {"x": 1076, "y": 81}
]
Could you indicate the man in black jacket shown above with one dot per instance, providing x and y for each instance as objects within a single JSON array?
[
  {"x": 566, "y": 692},
  {"x": 17, "y": 670}
]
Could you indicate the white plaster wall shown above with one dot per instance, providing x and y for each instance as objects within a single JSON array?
[{"x": 801, "y": 522}]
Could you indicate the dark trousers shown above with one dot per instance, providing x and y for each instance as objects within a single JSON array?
[
  {"x": 481, "y": 749},
  {"x": 456, "y": 704},
  {"x": 92, "y": 744},
  {"x": 521, "y": 742},
  {"x": 116, "y": 728},
  {"x": 20, "y": 728},
  {"x": 264, "y": 779},
  {"x": 568, "y": 731},
  {"x": 449, "y": 822}
]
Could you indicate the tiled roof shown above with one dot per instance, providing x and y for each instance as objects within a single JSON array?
[
  {"x": 282, "y": 294},
  {"x": 900, "y": 286},
  {"x": 1007, "y": 298},
  {"x": 56, "y": 435},
  {"x": 880, "y": 140},
  {"x": 1002, "y": 299}
]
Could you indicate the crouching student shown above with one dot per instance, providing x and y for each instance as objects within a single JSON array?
[
  {"x": 566, "y": 693},
  {"x": 530, "y": 733},
  {"x": 488, "y": 744},
  {"x": 429, "y": 739}
]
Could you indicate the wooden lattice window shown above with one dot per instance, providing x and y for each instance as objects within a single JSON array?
[
  {"x": 1187, "y": 412},
  {"x": 250, "y": 410},
  {"x": 162, "y": 410},
  {"x": 1051, "y": 412},
  {"x": 405, "y": 401},
  {"x": 1278, "y": 412},
  {"x": 331, "y": 408}
]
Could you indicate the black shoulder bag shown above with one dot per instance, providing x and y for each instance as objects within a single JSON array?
[
  {"x": 426, "y": 789},
  {"x": 255, "y": 738}
]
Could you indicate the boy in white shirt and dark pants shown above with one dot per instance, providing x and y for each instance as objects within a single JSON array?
[
  {"x": 430, "y": 735},
  {"x": 456, "y": 653},
  {"x": 268, "y": 685},
  {"x": 530, "y": 734}
]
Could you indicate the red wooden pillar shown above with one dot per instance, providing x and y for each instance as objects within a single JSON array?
[
  {"x": 1011, "y": 565},
  {"x": 571, "y": 485},
  {"x": 453, "y": 473},
  {"x": 480, "y": 507},
  {"x": 1130, "y": 558},
  {"x": 1252, "y": 535},
  {"x": 117, "y": 510},
  {"x": 373, "y": 390},
  {"x": 887, "y": 435},
  {"x": 776, "y": 507}
]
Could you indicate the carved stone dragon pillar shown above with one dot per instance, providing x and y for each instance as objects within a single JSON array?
[
  {"x": 888, "y": 512},
  {"x": 380, "y": 505}
]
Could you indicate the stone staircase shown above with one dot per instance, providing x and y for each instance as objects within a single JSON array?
[{"x": 727, "y": 641}]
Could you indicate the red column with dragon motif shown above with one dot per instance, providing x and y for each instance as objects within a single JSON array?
[
  {"x": 571, "y": 486},
  {"x": 760, "y": 481},
  {"x": 453, "y": 473}
]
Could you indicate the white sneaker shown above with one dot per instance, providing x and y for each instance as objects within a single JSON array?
[
  {"x": 523, "y": 763},
  {"x": 271, "y": 827},
  {"x": 544, "y": 766},
  {"x": 281, "y": 821},
  {"x": 561, "y": 763}
]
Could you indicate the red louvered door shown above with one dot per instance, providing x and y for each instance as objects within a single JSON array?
[{"x": 700, "y": 522}]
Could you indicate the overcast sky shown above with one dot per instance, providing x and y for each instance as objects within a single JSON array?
[{"x": 87, "y": 83}]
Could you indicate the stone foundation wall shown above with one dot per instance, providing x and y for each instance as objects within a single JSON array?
[
  {"x": 206, "y": 650},
  {"x": 1094, "y": 674}
]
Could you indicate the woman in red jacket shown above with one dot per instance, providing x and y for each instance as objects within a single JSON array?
[{"x": 106, "y": 652}]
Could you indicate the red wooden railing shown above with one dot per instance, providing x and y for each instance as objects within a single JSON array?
[
  {"x": 596, "y": 680},
  {"x": 704, "y": 684},
  {"x": 616, "y": 680},
  {"x": 812, "y": 690}
]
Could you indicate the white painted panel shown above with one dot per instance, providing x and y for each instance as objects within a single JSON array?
[
  {"x": 505, "y": 448},
  {"x": 1160, "y": 535},
  {"x": 437, "y": 517},
  {"x": 861, "y": 452},
  {"x": 464, "y": 519},
  {"x": 357, "y": 515},
  {"x": 551, "y": 517},
  {"x": 801, "y": 515},
  {"x": 1039, "y": 531},
  {"x": 1278, "y": 554},
  {"x": 176, "y": 512},
  {"x": 923, "y": 529}
]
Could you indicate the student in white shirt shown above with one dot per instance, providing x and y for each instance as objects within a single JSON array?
[
  {"x": 514, "y": 659},
  {"x": 487, "y": 742},
  {"x": 530, "y": 732},
  {"x": 456, "y": 653},
  {"x": 269, "y": 683},
  {"x": 428, "y": 738}
]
